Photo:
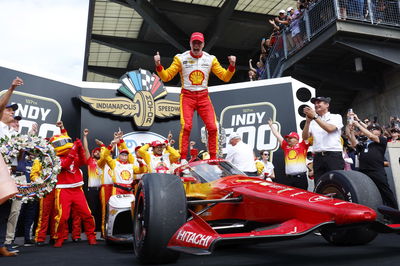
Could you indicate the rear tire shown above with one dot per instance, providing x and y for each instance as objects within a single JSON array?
[
  {"x": 160, "y": 210},
  {"x": 355, "y": 187}
]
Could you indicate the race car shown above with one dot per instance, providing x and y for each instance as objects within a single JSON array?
[
  {"x": 118, "y": 225},
  {"x": 210, "y": 203}
]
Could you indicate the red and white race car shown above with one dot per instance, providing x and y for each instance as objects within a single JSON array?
[{"x": 210, "y": 203}]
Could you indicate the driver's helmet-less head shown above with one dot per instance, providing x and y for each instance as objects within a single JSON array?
[{"x": 61, "y": 144}]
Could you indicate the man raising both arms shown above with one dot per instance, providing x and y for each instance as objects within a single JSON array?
[{"x": 194, "y": 67}]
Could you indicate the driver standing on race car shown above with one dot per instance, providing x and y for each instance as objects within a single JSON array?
[
  {"x": 158, "y": 161},
  {"x": 194, "y": 67}
]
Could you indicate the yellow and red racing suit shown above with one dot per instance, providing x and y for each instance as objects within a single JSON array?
[
  {"x": 194, "y": 72},
  {"x": 159, "y": 163}
]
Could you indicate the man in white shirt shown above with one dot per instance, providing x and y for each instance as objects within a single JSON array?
[
  {"x": 241, "y": 155},
  {"x": 7, "y": 116},
  {"x": 325, "y": 129}
]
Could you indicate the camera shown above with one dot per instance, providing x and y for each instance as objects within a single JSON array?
[{"x": 362, "y": 138}]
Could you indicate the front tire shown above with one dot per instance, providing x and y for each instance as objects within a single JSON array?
[
  {"x": 355, "y": 187},
  {"x": 160, "y": 210}
]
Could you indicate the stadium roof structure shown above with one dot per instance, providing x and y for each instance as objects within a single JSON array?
[{"x": 124, "y": 35}]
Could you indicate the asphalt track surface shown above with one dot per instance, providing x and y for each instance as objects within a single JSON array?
[{"x": 310, "y": 250}]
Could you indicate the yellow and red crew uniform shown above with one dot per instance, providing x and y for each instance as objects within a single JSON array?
[
  {"x": 194, "y": 72},
  {"x": 46, "y": 209},
  {"x": 124, "y": 172},
  {"x": 159, "y": 163},
  {"x": 69, "y": 193},
  {"x": 106, "y": 187}
]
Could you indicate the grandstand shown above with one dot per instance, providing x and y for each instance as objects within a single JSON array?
[{"x": 351, "y": 56}]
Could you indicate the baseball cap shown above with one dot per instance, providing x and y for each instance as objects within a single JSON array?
[
  {"x": 124, "y": 151},
  {"x": 290, "y": 9},
  {"x": 197, "y": 36},
  {"x": 292, "y": 135},
  {"x": 234, "y": 135},
  {"x": 17, "y": 118},
  {"x": 14, "y": 106},
  {"x": 156, "y": 143},
  {"x": 374, "y": 126},
  {"x": 94, "y": 150},
  {"x": 282, "y": 11},
  {"x": 321, "y": 98}
]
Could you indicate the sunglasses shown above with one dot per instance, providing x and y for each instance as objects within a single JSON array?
[{"x": 266, "y": 154}]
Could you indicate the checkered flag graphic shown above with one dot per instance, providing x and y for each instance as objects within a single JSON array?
[{"x": 147, "y": 79}]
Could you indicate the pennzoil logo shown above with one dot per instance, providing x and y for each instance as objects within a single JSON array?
[{"x": 144, "y": 92}]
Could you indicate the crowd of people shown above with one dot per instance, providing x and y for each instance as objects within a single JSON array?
[
  {"x": 288, "y": 22},
  {"x": 289, "y": 25},
  {"x": 109, "y": 174},
  {"x": 327, "y": 145}
]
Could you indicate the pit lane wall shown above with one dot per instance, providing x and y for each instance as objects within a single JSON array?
[{"x": 241, "y": 107}]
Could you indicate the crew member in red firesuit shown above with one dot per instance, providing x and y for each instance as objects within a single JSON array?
[
  {"x": 194, "y": 67},
  {"x": 69, "y": 193}
]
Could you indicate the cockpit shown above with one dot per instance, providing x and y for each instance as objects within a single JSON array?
[{"x": 209, "y": 170}]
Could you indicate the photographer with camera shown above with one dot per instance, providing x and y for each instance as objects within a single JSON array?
[{"x": 371, "y": 146}]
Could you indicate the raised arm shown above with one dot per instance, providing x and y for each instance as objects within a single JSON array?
[
  {"x": 6, "y": 97},
  {"x": 85, "y": 143},
  {"x": 275, "y": 132},
  {"x": 222, "y": 73},
  {"x": 169, "y": 73}
]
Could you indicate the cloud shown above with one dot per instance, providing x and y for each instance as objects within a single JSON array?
[{"x": 45, "y": 35}]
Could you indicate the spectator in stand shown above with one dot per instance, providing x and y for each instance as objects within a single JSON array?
[
  {"x": 252, "y": 75},
  {"x": 372, "y": 153},
  {"x": 265, "y": 168},
  {"x": 295, "y": 27},
  {"x": 394, "y": 135},
  {"x": 241, "y": 155},
  {"x": 325, "y": 128},
  {"x": 366, "y": 121},
  {"x": 355, "y": 8},
  {"x": 394, "y": 121},
  {"x": 282, "y": 20},
  {"x": 259, "y": 70},
  {"x": 295, "y": 158}
]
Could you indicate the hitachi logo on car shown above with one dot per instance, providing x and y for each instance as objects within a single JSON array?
[{"x": 194, "y": 238}]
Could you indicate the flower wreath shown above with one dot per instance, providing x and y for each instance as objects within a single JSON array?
[{"x": 40, "y": 149}]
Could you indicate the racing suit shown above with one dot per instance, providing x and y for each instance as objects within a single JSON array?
[
  {"x": 159, "y": 163},
  {"x": 106, "y": 185},
  {"x": 194, "y": 72},
  {"x": 69, "y": 194},
  {"x": 123, "y": 174}
]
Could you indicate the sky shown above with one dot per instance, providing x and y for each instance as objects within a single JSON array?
[{"x": 45, "y": 36}]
